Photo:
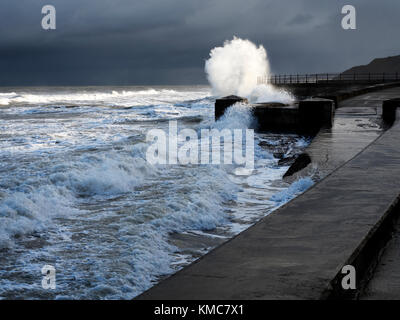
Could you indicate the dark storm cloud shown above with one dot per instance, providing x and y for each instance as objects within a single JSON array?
[
  {"x": 300, "y": 19},
  {"x": 162, "y": 42}
]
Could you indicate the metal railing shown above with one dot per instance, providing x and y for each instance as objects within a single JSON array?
[{"x": 329, "y": 77}]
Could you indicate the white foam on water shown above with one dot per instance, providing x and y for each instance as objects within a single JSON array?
[
  {"x": 102, "y": 176},
  {"x": 295, "y": 189},
  {"x": 237, "y": 116},
  {"x": 5, "y": 98},
  {"x": 110, "y": 98},
  {"x": 26, "y": 212},
  {"x": 82, "y": 186},
  {"x": 268, "y": 93}
]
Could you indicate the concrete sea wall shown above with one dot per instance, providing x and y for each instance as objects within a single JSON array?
[{"x": 299, "y": 250}]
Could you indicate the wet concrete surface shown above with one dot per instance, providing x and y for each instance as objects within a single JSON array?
[{"x": 357, "y": 123}]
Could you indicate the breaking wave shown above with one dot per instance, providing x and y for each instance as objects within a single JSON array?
[{"x": 235, "y": 69}]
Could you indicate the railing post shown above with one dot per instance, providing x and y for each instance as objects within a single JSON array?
[
  {"x": 397, "y": 76},
  {"x": 383, "y": 77},
  {"x": 306, "y": 78}
]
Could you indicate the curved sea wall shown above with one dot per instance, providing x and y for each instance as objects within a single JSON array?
[{"x": 299, "y": 250}]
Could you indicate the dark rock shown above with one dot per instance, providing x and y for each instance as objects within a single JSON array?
[{"x": 302, "y": 161}]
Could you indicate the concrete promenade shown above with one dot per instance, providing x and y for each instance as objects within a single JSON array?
[
  {"x": 357, "y": 123},
  {"x": 298, "y": 251}
]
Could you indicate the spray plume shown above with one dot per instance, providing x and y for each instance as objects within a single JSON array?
[{"x": 234, "y": 69}]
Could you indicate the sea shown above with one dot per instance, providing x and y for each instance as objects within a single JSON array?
[{"x": 78, "y": 194}]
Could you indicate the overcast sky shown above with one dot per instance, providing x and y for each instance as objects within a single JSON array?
[{"x": 167, "y": 41}]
